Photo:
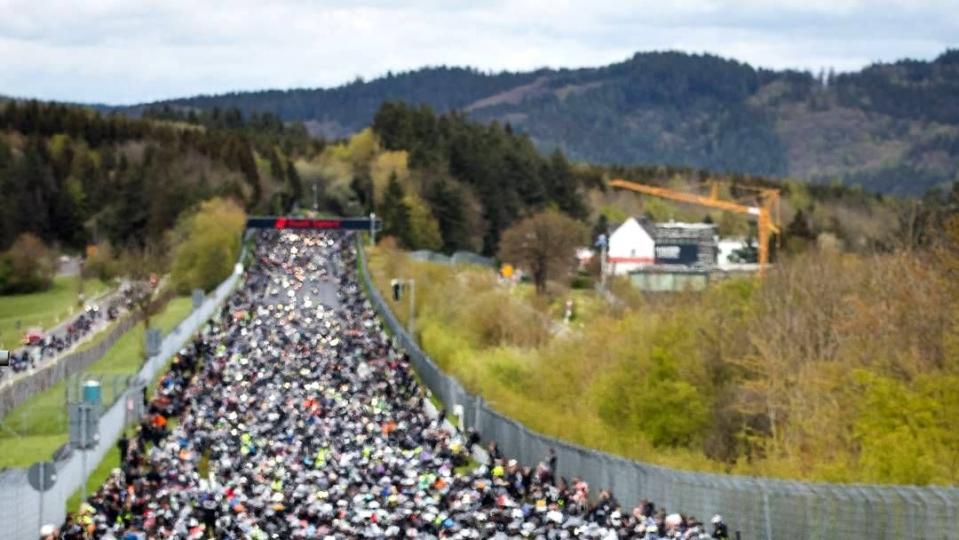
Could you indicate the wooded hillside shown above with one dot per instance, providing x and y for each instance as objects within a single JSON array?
[
  {"x": 889, "y": 127},
  {"x": 73, "y": 176}
]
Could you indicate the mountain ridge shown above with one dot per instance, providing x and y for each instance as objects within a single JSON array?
[{"x": 890, "y": 127}]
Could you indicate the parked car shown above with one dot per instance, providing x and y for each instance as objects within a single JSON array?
[{"x": 33, "y": 336}]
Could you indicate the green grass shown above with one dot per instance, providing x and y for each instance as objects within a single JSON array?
[
  {"x": 29, "y": 450},
  {"x": 44, "y": 309},
  {"x": 41, "y": 421},
  {"x": 100, "y": 336}
]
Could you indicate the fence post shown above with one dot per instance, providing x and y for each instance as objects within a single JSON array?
[{"x": 767, "y": 518}]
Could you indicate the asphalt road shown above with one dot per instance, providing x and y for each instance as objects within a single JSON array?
[
  {"x": 61, "y": 330},
  {"x": 312, "y": 292}
]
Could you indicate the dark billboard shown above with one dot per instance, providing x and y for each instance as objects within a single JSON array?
[
  {"x": 351, "y": 224},
  {"x": 686, "y": 254}
]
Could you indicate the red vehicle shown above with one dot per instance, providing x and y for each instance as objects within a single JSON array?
[{"x": 34, "y": 336}]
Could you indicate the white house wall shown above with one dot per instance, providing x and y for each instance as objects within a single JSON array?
[{"x": 630, "y": 248}]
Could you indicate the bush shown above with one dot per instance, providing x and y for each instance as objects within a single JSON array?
[
  {"x": 496, "y": 319},
  {"x": 581, "y": 282},
  {"x": 209, "y": 247},
  {"x": 28, "y": 266},
  {"x": 102, "y": 264}
]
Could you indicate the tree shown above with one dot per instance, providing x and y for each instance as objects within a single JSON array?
[
  {"x": 798, "y": 234},
  {"x": 395, "y": 212},
  {"x": 209, "y": 247},
  {"x": 424, "y": 229},
  {"x": 296, "y": 185},
  {"x": 601, "y": 226},
  {"x": 449, "y": 204},
  {"x": 543, "y": 244},
  {"x": 27, "y": 267},
  {"x": 140, "y": 262}
]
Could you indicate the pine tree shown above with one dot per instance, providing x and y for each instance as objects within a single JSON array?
[
  {"x": 293, "y": 178},
  {"x": 447, "y": 202},
  {"x": 395, "y": 213}
]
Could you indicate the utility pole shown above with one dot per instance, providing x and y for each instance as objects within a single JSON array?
[
  {"x": 372, "y": 228},
  {"x": 84, "y": 418},
  {"x": 602, "y": 243},
  {"x": 40, "y": 516},
  {"x": 80, "y": 297},
  {"x": 316, "y": 203}
]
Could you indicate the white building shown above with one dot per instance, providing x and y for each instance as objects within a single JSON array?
[
  {"x": 727, "y": 260},
  {"x": 631, "y": 246},
  {"x": 637, "y": 243}
]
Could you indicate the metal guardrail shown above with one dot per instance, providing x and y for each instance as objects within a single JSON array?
[{"x": 757, "y": 507}]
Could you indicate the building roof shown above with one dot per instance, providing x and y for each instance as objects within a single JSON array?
[{"x": 676, "y": 229}]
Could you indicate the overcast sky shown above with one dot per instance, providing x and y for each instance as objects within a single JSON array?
[{"x": 129, "y": 51}]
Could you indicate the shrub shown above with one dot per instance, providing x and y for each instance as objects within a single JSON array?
[
  {"x": 103, "y": 263},
  {"x": 210, "y": 245},
  {"x": 28, "y": 266}
]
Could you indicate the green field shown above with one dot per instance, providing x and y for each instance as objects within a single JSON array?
[
  {"x": 44, "y": 309},
  {"x": 41, "y": 421}
]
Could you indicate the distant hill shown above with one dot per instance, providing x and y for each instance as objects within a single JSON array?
[{"x": 890, "y": 127}]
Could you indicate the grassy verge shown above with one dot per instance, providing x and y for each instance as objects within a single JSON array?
[
  {"x": 44, "y": 309},
  {"x": 99, "y": 475},
  {"x": 510, "y": 346},
  {"x": 100, "y": 336},
  {"x": 389, "y": 331},
  {"x": 41, "y": 421}
]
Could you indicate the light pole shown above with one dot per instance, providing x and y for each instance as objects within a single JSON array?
[
  {"x": 372, "y": 228},
  {"x": 316, "y": 203}
]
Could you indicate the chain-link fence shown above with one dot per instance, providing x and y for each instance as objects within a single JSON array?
[
  {"x": 756, "y": 507},
  {"x": 459, "y": 257},
  {"x": 20, "y": 504}
]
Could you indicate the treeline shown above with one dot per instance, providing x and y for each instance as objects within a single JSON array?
[
  {"x": 889, "y": 127},
  {"x": 905, "y": 89},
  {"x": 347, "y": 109},
  {"x": 264, "y": 130},
  {"x": 74, "y": 177},
  {"x": 441, "y": 181},
  {"x": 503, "y": 171},
  {"x": 446, "y": 182}
]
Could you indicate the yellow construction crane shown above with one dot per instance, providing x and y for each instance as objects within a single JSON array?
[{"x": 767, "y": 213}]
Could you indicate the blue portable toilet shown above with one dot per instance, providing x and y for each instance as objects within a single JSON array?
[{"x": 91, "y": 392}]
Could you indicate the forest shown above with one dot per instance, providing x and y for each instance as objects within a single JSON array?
[
  {"x": 891, "y": 127},
  {"x": 75, "y": 177}
]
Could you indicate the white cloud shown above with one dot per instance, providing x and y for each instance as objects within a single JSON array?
[{"x": 119, "y": 51}]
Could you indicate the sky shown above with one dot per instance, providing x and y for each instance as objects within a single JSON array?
[{"x": 134, "y": 51}]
